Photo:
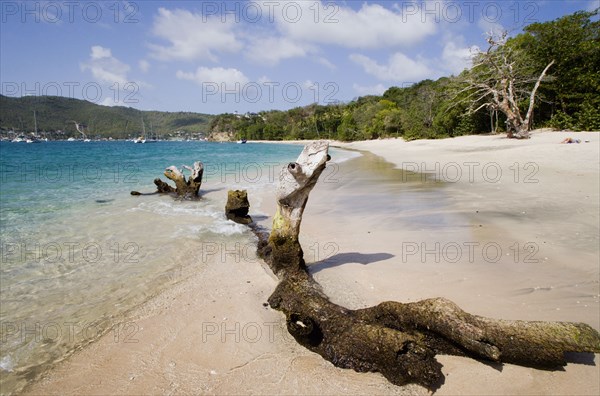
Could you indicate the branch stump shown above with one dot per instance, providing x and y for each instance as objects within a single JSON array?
[
  {"x": 184, "y": 188},
  {"x": 237, "y": 206}
]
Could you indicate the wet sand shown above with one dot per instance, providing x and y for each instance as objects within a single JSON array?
[{"x": 520, "y": 246}]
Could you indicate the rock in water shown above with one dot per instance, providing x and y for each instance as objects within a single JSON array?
[{"x": 238, "y": 206}]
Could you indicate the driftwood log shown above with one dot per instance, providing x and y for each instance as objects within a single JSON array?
[
  {"x": 399, "y": 340},
  {"x": 184, "y": 188}
]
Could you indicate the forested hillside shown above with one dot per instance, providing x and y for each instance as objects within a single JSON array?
[{"x": 55, "y": 115}]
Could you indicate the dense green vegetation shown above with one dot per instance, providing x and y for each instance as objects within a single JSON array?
[
  {"x": 572, "y": 96},
  {"x": 568, "y": 98},
  {"x": 54, "y": 115}
]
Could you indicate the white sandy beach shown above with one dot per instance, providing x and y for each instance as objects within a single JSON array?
[{"x": 507, "y": 229}]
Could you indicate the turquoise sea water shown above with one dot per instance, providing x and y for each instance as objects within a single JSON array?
[{"x": 78, "y": 251}]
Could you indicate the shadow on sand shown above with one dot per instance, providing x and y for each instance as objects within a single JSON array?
[{"x": 346, "y": 258}]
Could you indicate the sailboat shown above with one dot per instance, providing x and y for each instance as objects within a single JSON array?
[
  {"x": 152, "y": 138},
  {"x": 34, "y": 139},
  {"x": 142, "y": 139},
  {"x": 80, "y": 128}
]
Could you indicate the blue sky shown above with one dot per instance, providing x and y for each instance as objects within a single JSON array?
[{"x": 225, "y": 56}]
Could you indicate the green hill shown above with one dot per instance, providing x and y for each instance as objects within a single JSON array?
[{"x": 55, "y": 114}]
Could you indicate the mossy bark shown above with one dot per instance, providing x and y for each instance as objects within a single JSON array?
[
  {"x": 398, "y": 340},
  {"x": 238, "y": 206},
  {"x": 184, "y": 188},
  {"x": 163, "y": 188}
]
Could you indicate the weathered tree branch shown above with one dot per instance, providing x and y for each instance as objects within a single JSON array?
[
  {"x": 184, "y": 188},
  {"x": 532, "y": 96},
  {"x": 399, "y": 340}
]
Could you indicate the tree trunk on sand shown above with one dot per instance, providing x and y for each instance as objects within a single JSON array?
[
  {"x": 184, "y": 188},
  {"x": 399, "y": 340}
]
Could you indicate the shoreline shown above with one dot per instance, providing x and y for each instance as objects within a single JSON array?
[{"x": 186, "y": 337}]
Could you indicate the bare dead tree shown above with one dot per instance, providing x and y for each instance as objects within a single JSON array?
[{"x": 497, "y": 80}]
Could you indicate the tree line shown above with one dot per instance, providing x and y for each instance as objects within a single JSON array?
[{"x": 559, "y": 61}]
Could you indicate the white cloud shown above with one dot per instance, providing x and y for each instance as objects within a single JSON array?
[
  {"x": 308, "y": 84},
  {"x": 110, "y": 101},
  {"x": 300, "y": 29},
  {"x": 272, "y": 50},
  {"x": 99, "y": 52},
  {"x": 192, "y": 36},
  {"x": 372, "y": 26},
  {"x": 222, "y": 79},
  {"x": 488, "y": 26},
  {"x": 364, "y": 90},
  {"x": 264, "y": 79},
  {"x": 144, "y": 65},
  {"x": 105, "y": 67},
  {"x": 325, "y": 62},
  {"x": 456, "y": 58},
  {"x": 400, "y": 68}
]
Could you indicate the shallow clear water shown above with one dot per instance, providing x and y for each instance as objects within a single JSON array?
[{"x": 78, "y": 251}]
